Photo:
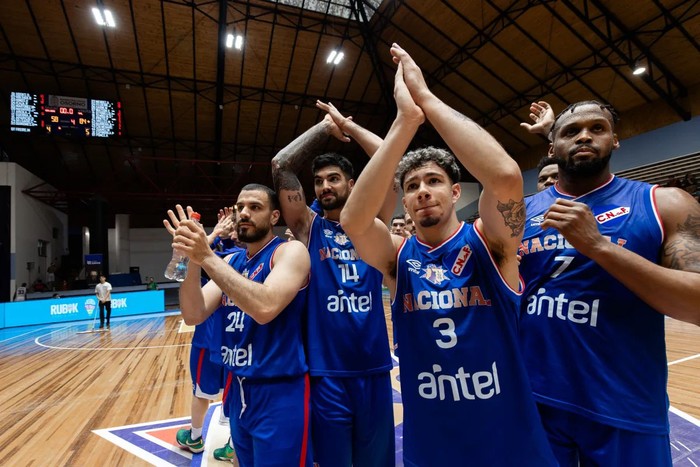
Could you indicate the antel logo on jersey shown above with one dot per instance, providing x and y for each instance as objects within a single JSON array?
[
  {"x": 537, "y": 220},
  {"x": 614, "y": 213},
  {"x": 89, "y": 305},
  {"x": 464, "y": 254}
]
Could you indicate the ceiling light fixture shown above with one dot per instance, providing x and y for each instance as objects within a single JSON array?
[
  {"x": 104, "y": 17},
  {"x": 639, "y": 67},
  {"x": 229, "y": 40},
  {"x": 335, "y": 57},
  {"x": 110, "y": 19},
  {"x": 239, "y": 42}
]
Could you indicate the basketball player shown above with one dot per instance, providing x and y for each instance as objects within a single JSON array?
[
  {"x": 410, "y": 226},
  {"x": 547, "y": 173},
  {"x": 604, "y": 259},
  {"x": 398, "y": 225},
  {"x": 206, "y": 366},
  {"x": 347, "y": 340},
  {"x": 454, "y": 286},
  {"x": 263, "y": 292}
]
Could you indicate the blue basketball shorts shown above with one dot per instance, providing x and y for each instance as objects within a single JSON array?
[
  {"x": 579, "y": 441},
  {"x": 353, "y": 421},
  {"x": 207, "y": 376},
  {"x": 270, "y": 421}
]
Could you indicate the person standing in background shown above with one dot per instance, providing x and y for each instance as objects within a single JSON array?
[{"x": 103, "y": 290}]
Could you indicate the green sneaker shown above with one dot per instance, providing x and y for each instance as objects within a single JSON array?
[
  {"x": 225, "y": 454},
  {"x": 186, "y": 442}
]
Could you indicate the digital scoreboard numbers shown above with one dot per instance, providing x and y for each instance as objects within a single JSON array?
[{"x": 66, "y": 116}]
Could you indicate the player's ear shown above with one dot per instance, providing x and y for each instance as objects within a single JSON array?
[{"x": 275, "y": 217}]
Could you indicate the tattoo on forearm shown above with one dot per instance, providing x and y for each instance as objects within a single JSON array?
[
  {"x": 291, "y": 159},
  {"x": 284, "y": 180},
  {"x": 513, "y": 213},
  {"x": 684, "y": 252}
]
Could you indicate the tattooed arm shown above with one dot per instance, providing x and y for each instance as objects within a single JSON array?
[
  {"x": 671, "y": 287},
  {"x": 290, "y": 161},
  {"x": 501, "y": 205}
]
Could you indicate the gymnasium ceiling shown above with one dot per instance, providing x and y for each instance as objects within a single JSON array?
[{"x": 201, "y": 119}]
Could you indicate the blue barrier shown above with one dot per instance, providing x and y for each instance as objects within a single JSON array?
[{"x": 79, "y": 308}]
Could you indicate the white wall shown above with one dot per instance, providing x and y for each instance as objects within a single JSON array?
[
  {"x": 149, "y": 249},
  {"x": 31, "y": 221}
]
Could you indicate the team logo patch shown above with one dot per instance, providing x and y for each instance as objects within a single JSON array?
[
  {"x": 614, "y": 213},
  {"x": 413, "y": 265},
  {"x": 537, "y": 220},
  {"x": 434, "y": 274},
  {"x": 341, "y": 239},
  {"x": 89, "y": 305},
  {"x": 328, "y": 233},
  {"x": 464, "y": 254}
]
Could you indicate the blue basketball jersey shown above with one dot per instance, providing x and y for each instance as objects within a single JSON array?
[
  {"x": 466, "y": 396},
  {"x": 211, "y": 336},
  {"x": 346, "y": 332},
  {"x": 590, "y": 345},
  {"x": 256, "y": 351}
]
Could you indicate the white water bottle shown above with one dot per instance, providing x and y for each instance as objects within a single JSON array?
[{"x": 177, "y": 267}]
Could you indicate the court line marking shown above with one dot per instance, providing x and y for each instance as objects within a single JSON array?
[
  {"x": 684, "y": 416},
  {"x": 53, "y": 347},
  {"x": 29, "y": 332},
  {"x": 684, "y": 359},
  {"x": 136, "y": 450}
]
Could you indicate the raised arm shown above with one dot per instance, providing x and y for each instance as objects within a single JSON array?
[
  {"x": 501, "y": 205},
  {"x": 196, "y": 302},
  {"x": 542, "y": 114},
  {"x": 369, "y": 142},
  {"x": 290, "y": 161},
  {"x": 224, "y": 225},
  {"x": 369, "y": 235},
  {"x": 672, "y": 288}
]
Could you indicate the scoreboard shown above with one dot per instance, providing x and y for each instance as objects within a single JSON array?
[{"x": 62, "y": 115}]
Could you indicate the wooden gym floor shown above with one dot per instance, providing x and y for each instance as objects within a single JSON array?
[{"x": 57, "y": 386}]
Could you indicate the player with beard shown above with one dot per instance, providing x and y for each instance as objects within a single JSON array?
[
  {"x": 347, "y": 343},
  {"x": 604, "y": 259},
  {"x": 263, "y": 294},
  {"x": 455, "y": 287}
]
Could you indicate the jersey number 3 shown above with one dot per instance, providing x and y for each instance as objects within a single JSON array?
[{"x": 447, "y": 329}]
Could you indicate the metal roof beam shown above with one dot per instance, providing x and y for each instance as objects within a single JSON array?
[{"x": 629, "y": 48}]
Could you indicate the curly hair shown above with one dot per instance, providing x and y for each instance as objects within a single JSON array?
[{"x": 420, "y": 157}]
